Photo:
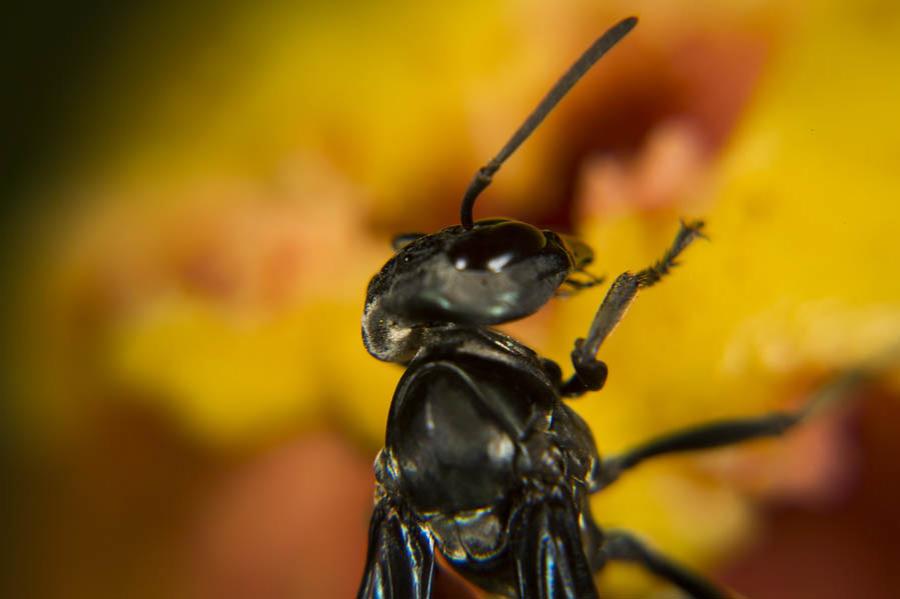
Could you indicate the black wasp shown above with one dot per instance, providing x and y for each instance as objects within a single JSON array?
[{"x": 483, "y": 462}]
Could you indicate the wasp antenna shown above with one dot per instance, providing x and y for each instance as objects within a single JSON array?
[{"x": 485, "y": 174}]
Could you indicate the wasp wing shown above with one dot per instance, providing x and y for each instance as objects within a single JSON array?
[
  {"x": 400, "y": 563},
  {"x": 550, "y": 559}
]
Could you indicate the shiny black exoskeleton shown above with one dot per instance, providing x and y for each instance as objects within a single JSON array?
[
  {"x": 483, "y": 461},
  {"x": 478, "y": 445}
]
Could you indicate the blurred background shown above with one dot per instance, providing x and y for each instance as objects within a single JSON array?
[{"x": 196, "y": 194}]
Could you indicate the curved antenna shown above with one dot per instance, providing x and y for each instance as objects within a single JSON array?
[{"x": 485, "y": 174}]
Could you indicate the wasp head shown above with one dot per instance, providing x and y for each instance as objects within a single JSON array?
[{"x": 497, "y": 271}]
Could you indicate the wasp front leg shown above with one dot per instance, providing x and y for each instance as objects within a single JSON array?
[
  {"x": 590, "y": 373},
  {"x": 400, "y": 563}
]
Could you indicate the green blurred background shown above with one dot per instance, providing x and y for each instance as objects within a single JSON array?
[{"x": 196, "y": 194}]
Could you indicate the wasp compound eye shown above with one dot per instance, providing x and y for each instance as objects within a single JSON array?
[{"x": 496, "y": 245}]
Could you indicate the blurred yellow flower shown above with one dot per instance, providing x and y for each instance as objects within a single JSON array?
[{"x": 219, "y": 272}]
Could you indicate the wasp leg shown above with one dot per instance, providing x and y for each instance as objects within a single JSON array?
[
  {"x": 619, "y": 545},
  {"x": 549, "y": 556},
  {"x": 402, "y": 240},
  {"x": 728, "y": 432},
  {"x": 400, "y": 562},
  {"x": 590, "y": 373},
  {"x": 577, "y": 285}
]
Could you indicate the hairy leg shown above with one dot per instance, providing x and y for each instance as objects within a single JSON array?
[{"x": 590, "y": 373}]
